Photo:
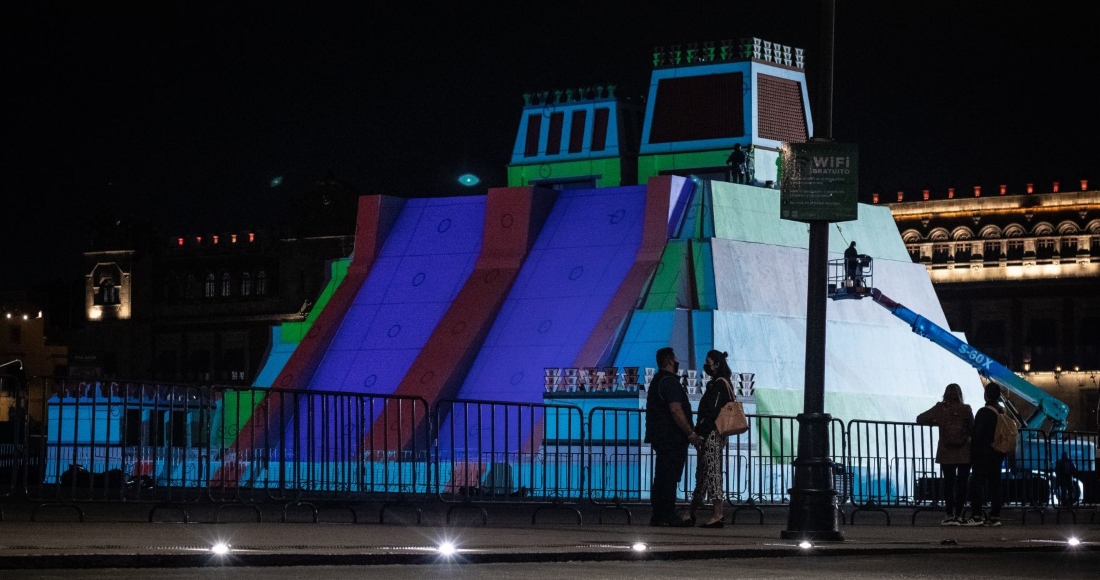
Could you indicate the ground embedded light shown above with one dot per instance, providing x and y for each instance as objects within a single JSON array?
[
  {"x": 640, "y": 546},
  {"x": 1073, "y": 542},
  {"x": 805, "y": 544},
  {"x": 221, "y": 548},
  {"x": 447, "y": 549}
]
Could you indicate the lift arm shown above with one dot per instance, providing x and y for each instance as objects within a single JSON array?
[{"x": 1047, "y": 408}]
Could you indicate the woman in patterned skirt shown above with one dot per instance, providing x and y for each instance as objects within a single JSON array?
[{"x": 709, "y": 478}]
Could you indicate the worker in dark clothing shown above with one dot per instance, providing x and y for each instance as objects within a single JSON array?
[
  {"x": 986, "y": 462},
  {"x": 739, "y": 164},
  {"x": 851, "y": 264}
]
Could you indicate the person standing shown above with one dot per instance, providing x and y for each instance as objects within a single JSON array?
[
  {"x": 1065, "y": 471},
  {"x": 669, "y": 431},
  {"x": 985, "y": 475},
  {"x": 739, "y": 164},
  {"x": 851, "y": 262},
  {"x": 709, "y": 477},
  {"x": 955, "y": 420}
]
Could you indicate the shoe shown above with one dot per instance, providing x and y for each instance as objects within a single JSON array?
[
  {"x": 992, "y": 522},
  {"x": 716, "y": 524},
  {"x": 949, "y": 521},
  {"x": 971, "y": 522}
]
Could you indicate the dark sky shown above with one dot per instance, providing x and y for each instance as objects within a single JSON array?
[{"x": 183, "y": 113}]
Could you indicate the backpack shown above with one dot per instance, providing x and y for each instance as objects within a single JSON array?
[
  {"x": 1004, "y": 435},
  {"x": 953, "y": 432}
]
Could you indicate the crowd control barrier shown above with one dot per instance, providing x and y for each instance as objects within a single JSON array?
[
  {"x": 175, "y": 445},
  {"x": 506, "y": 452}
]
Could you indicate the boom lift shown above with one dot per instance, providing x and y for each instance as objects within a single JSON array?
[
  {"x": 858, "y": 286},
  {"x": 1035, "y": 454}
]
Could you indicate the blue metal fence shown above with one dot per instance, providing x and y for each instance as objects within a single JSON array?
[{"x": 179, "y": 444}]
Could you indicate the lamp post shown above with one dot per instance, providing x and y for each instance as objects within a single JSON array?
[{"x": 812, "y": 514}]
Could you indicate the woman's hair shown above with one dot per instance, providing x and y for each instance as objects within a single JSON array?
[
  {"x": 953, "y": 394},
  {"x": 723, "y": 369}
]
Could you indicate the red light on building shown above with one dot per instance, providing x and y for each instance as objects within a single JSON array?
[
  {"x": 1084, "y": 185},
  {"x": 233, "y": 238},
  {"x": 874, "y": 198},
  {"x": 251, "y": 237},
  {"x": 1031, "y": 188},
  {"x": 1055, "y": 187},
  {"x": 950, "y": 193},
  {"x": 901, "y": 195},
  {"x": 198, "y": 240},
  {"x": 179, "y": 241},
  {"x": 1004, "y": 188},
  {"x": 925, "y": 194},
  {"x": 215, "y": 239},
  {"x": 977, "y": 191}
]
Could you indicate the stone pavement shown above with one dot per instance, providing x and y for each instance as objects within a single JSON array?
[{"x": 121, "y": 535}]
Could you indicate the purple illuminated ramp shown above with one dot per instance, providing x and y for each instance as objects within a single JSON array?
[
  {"x": 585, "y": 249},
  {"x": 424, "y": 262},
  {"x": 422, "y": 266}
]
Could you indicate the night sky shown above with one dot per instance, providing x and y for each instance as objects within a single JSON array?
[{"x": 184, "y": 114}]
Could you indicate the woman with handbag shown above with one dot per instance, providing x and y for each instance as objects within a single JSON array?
[{"x": 709, "y": 478}]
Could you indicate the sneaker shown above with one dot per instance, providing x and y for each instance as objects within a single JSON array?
[
  {"x": 949, "y": 521},
  {"x": 971, "y": 522},
  {"x": 992, "y": 522}
]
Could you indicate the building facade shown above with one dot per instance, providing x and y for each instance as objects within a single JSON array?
[{"x": 200, "y": 307}]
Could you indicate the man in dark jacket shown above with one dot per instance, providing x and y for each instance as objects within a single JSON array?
[
  {"x": 669, "y": 431},
  {"x": 986, "y": 462}
]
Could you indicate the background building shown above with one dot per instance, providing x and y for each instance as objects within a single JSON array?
[{"x": 199, "y": 307}]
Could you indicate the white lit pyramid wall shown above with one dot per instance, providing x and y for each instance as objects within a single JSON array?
[{"x": 748, "y": 298}]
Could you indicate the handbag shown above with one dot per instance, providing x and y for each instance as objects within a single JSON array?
[{"x": 731, "y": 418}]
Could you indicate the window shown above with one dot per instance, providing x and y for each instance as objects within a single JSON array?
[
  {"x": 261, "y": 283},
  {"x": 992, "y": 251},
  {"x": 227, "y": 285},
  {"x": 1044, "y": 248},
  {"x": 208, "y": 287},
  {"x": 1068, "y": 247},
  {"x": 15, "y": 334},
  {"x": 1015, "y": 250},
  {"x": 108, "y": 292},
  {"x": 553, "y": 138},
  {"x": 576, "y": 131},
  {"x": 962, "y": 252},
  {"x": 246, "y": 284},
  {"x": 940, "y": 253}
]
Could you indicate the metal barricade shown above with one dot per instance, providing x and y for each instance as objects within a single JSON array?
[
  {"x": 507, "y": 452},
  {"x": 889, "y": 461},
  {"x": 114, "y": 441},
  {"x": 620, "y": 463},
  {"x": 318, "y": 446}
]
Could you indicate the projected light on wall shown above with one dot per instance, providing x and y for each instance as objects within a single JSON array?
[
  {"x": 427, "y": 257},
  {"x": 589, "y": 242}
]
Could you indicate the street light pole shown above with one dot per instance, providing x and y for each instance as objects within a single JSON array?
[{"x": 813, "y": 512}]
